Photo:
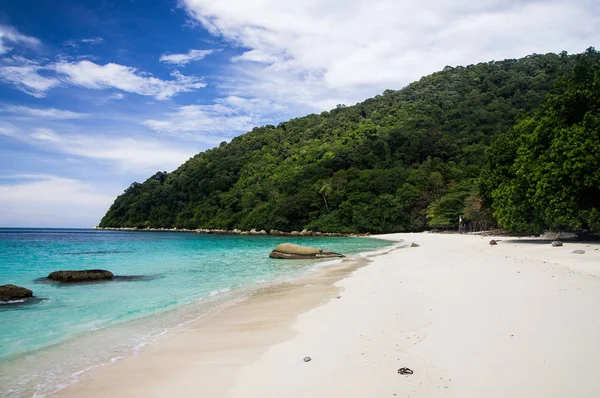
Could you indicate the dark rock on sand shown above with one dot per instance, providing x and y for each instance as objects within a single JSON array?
[
  {"x": 13, "y": 292},
  {"x": 414, "y": 245},
  {"x": 292, "y": 251},
  {"x": 557, "y": 243},
  {"x": 493, "y": 242},
  {"x": 307, "y": 359},
  {"x": 578, "y": 251},
  {"x": 89, "y": 275}
]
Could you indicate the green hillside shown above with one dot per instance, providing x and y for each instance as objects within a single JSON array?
[{"x": 402, "y": 161}]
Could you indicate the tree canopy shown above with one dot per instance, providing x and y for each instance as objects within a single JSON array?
[
  {"x": 545, "y": 172},
  {"x": 401, "y": 161}
]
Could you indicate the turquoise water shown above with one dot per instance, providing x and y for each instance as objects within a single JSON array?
[{"x": 174, "y": 269}]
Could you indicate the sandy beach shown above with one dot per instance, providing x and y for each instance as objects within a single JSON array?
[{"x": 520, "y": 319}]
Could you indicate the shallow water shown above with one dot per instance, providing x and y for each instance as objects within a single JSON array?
[{"x": 157, "y": 275}]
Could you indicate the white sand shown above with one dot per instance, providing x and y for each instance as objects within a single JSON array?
[{"x": 471, "y": 320}]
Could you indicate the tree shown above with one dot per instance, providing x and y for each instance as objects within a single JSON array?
[{"x": 545, "y": 172}]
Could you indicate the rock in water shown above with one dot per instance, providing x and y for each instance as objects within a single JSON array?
[
  {"x": 556, "y": 243},
  {"x": 81, "y": 276},
  {"x": 292, "y": 251},
  {"x": 13, "y": 292}
]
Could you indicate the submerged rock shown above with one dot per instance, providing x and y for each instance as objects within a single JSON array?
[
  {"x": 578, "y": 251},
  {"x": 14, "y": 292},
  {"x": 292, "y": 251},
  {"x": 81, "y": 276}
]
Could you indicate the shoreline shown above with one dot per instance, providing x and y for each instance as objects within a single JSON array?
[
  {"x": 517, "y": 319},
  {"x": 229, "y": 335},
  {"x": 217, "y": 231},
  {"x": 63, "y": 363}
]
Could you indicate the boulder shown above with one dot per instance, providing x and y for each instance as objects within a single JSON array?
[
  {"x": 292, "y": 251},
  {"x": 13, "y": 292},
  {"x": 89, "y": 275},
  {"x": 556, "y": 243},
  {"x": 295, "y": 233}
]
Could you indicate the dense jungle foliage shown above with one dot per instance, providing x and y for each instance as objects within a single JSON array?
[
  {"x": 544, "y": 174},
  {"x": 405, "y": 160}
]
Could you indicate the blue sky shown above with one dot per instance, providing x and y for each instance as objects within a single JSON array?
[{"x": 97, "y": 94}]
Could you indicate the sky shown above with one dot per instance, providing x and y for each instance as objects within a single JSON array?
[{"x": 97, "y": 94}]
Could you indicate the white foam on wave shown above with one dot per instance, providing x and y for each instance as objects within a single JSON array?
[
  {"x": 12, "y": 301},
  {"x": 218, "y": 291}
]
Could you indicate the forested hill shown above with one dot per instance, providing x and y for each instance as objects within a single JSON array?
[{"x": 404, "y": 160}]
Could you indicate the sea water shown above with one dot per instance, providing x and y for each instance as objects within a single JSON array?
[{"x": 44, "y": 340}]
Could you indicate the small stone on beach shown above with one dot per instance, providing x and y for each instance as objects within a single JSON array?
[
  {"x": 307, "y": 359},
  {"x": 557, "y": 243}
]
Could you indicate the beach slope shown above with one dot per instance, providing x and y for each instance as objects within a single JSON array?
[{"x": 519, "y": 319}]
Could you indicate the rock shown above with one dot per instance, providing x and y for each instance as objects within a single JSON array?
[
  {"x": 13, "y": 292},
  {"x": 556, "y": 243},
  {"x": 81, "y": 276},
  {"x": 262, "y": 232},
  {"x": 292, "y": 251},
  {"x": 307, "y": 359},
  {"x": 414, "y": 245},
  {"x": 295, "y": 233},
  {"x": 578, "y": 251},
  {"x": 493, "y": 242}
]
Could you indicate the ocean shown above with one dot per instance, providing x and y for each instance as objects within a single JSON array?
[{"x": 171, "y": 278}]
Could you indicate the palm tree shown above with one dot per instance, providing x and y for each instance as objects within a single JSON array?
[{"x": 325, "y": 190}]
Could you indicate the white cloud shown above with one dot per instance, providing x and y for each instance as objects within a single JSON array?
[
  {"x": 182, "y": 59},
  {"x": 90, "y": 75},
  {"x": 50, "y": 201},
  {"x": 130, "y": 155},
  {"x": 213, "y": 123},
  {"x": 92, "y": 40},
  {"x": 26, "y": 77},
  {"x": 135, "y": 155},
  {"x": 45, "y": 134},
  {"x": 89, "y": 40},
  {"x": 11, "y": 35},
  {"x": 51, "y": 113},
  {"x": 315, "y": 54},
  {"x": 9, "y": 130}
]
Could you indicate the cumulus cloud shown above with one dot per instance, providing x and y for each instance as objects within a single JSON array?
[
  {"x": 37, "y": 200},
  {"x": 25, "y": 75},
  {"x": 212, "y": 123},
  {"x": 91, "y": 75},
  {"x": 182, "y": 59},
  {"x": 51, "y": 113},
  {"x": 12, "y": 36},
  {"x": 313, "y": 55}
]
